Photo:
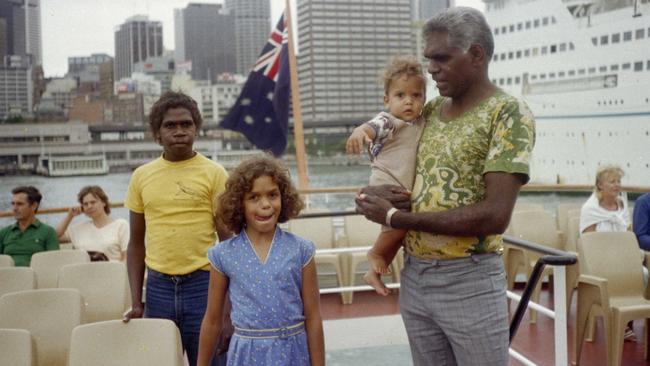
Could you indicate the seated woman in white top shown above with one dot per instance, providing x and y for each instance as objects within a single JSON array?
[
  {"x": 606, "y": 209},
  {"x": 102, "y": 234}
]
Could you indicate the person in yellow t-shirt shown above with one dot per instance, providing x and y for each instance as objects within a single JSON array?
[{"x": 172, "y": 208}]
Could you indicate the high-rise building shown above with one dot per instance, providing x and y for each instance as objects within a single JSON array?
[
  {"x": 421, "y": 10},
  {"x": 252, "y": 29},
  {"x": 136, "y": 40},
  {"x": 22, "y": 28},
  {"x": 16, "y": 87},
  {"x": 86, "y": 71},
  {"x": 205, "y": 36},
  {"x": 344, "y": 45}
]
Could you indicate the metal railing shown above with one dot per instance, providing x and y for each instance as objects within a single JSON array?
[{"x": 558, "y": 259}]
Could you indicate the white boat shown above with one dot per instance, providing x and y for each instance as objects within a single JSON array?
[
  {"x": 63, "y": 166},
  {"x": 583, "y": 67}
]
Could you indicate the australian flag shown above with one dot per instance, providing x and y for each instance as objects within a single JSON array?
[{"x": 261, "y": 112}]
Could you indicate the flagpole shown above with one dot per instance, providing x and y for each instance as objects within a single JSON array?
[{"x": 298, "y": 134}]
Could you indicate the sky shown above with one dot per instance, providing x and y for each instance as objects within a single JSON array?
[{"x": 82, "y": 27}]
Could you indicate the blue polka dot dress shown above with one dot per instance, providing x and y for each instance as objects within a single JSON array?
[{"x": 267, "y": 308}]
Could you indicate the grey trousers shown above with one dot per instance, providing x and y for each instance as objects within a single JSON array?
[{"x": 455, "y": 311}]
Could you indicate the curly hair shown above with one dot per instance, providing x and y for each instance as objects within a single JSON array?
[
  {"x": 96, "y": 191},
  {"x": 402, "y": 66},
  {"x": 240, "y": 182},
  {"x": 169, "y": 100}
]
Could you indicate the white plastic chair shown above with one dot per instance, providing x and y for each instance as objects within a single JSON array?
[
  {"x": 142, "y": 342},
  {"x": 49, "y": 315},
  {"x": 103, "y": 285},
  {"x": 47, "y": 265},
  {"x": 6, "y": 261},
  {"x": 14, "y": 279},
  {"x": 16, "y": 348},
  {"x": 320, "y": 230}
]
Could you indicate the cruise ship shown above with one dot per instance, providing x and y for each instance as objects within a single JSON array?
[{"x": 583, "y": 67}]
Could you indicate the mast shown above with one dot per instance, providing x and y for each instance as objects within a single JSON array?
[{"x": 298, "y": 134}]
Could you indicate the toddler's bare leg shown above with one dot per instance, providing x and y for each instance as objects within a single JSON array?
[{"x": 380, "y": 256}]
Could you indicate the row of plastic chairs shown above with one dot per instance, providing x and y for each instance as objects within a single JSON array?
[
  {"x": 103, "y": 286},
  {"x": 32, "y": 334},
  {"x": 357, "y": 232}
]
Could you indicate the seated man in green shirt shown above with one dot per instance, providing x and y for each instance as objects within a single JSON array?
[{"x": 28, "y": 235}]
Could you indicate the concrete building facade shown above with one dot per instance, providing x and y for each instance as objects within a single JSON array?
[
  {"x": 136, "y": 40},
  {"x": 344, "y": 45},
  {"x": 205, "y": 36},
  {"x": 22, "y": 29},
  {"x": 252, "y": 29}
]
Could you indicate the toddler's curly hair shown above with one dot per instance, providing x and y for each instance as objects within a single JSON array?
[{"x": 402, "y": 66}]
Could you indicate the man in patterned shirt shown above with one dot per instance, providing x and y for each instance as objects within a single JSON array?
[{"x": 472, "y": 159}]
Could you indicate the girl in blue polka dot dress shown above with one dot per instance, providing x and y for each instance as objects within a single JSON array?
[{"x": 269, "y": 274}]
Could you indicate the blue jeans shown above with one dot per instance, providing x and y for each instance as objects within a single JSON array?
[{"x": 183, "y": 300}]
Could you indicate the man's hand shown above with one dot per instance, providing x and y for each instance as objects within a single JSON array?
[
  {"x": 137, "y": 311},
  {"x": 373, "y": 208},
  {"x": 396, "y": 195},
  {"x": 356, "y": 141}
]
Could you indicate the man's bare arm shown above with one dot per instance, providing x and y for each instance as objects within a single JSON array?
[{"x": 489, "y": 216}]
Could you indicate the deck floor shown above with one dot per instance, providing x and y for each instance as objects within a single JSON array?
[{"x": 370, "y": 332}]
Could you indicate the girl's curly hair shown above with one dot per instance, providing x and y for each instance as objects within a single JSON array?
[{"x": 240, "y": 182}]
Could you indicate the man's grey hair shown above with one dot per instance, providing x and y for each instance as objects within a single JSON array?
[{"x": 464, "y": 26}]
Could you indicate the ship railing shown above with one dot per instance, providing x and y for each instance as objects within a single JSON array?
[{"x": 557, "y": 259}]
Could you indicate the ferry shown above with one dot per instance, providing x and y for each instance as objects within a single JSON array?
[
  {"x": 583, "y": 67},
  {"x": 63, "y": 166}
]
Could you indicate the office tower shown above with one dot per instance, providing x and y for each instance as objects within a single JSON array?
[
  {"x": 343, "y": 48},
  {"x": 205, "y": 36},
  {"x": 136, "y": 40},
  {"x": 421, "y": 10},
  {"x": 16, "y": 87},
  {"x": 252, "y": 29},
  {"x": 22, "y": 28},
  {"x": 86, "y": 71}
]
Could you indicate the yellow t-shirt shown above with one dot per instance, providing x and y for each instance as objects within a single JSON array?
[{"x": 178, "y": 200}]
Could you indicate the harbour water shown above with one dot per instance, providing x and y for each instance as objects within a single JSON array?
[{"x": 62, "y": 191}]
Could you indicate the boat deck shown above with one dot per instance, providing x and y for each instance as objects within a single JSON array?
[{"x": 370, "y": 332}]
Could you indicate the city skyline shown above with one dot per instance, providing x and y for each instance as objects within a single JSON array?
[{"x": 79, "y": 28}]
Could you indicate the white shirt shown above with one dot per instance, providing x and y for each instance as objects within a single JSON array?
[{"x": 111, "y": 239}]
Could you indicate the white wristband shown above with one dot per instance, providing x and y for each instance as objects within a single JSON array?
[{"x": 389, "y": 215}]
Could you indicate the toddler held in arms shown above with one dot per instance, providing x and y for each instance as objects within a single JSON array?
[{"x": 392, "y": 139}]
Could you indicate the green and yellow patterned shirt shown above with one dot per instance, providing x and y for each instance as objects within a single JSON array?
[{"x": 495, "y": 136}]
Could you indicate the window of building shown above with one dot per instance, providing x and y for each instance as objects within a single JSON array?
[
  {"x": 517, "y": 80},
  {"x": 509, "y": 81},
  {"x": 551, "y": 75},
  {"x": 545, "y": 21},
  {"x": 581, "y": 72},
  {"x": 553, "y": 20},
  {"x": 616, "y": 38},
  {"x": 511, "y": 28},
  {"x": 571, "y": 46},
  {"x": 647, "y": 65},
  {"x": 561, "y": 74},
  {"x": 627, "y": 66},
  {"x": 503, "y": 56},
  {"x": 533, "y": 77},
  {"x": 613, "y": 67},
  {"x": 591, "y": 70},
  {"x": 518, "y": 54},
  {"x": 536, "y": 23},
  {"x": 510, "y": 55},
  {"x": 542, "y": 76},
  {"x": 638, "y": 34},
  {"x": 553, "y": 48},
  {"x": 527, "y": 52},
  {"x": 496, "y": 31},
  {"x": 503, "y": 29},
  {"x": 638, "y": 66},
  {"x": 627, "y": 36},
  {"x": 520, "y": 26},
  {"x": 602, "y": 69},
  {"x": 572, "y": 72},
  {"x": 594, "y": 40},
  {"x": 528, "y": 24},
  {"x": 604, "y": 39},
  {"x": 562, "y": 47},
  {"x": 544, "y": 50}
]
